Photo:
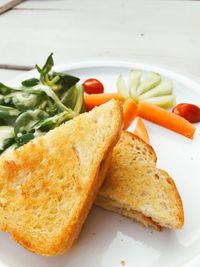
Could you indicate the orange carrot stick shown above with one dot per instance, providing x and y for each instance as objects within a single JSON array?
[
  {"x": 129, "y": 112},
  {"x": 166, "y": 119},
  {"x": 98, "y": 99},
  {"x": 141, "y": 131}
]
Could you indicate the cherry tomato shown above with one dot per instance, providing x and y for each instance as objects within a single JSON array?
[
  {"x": 93, "y": 86},
  {"x": 188, "y": 111}
]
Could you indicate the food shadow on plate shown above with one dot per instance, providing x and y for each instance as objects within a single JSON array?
[{"x": 99, "y": 231}]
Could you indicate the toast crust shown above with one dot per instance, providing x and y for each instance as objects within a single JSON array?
[{"x": 150, "y": 149}]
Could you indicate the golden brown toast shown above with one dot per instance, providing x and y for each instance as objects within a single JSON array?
[
  {"x": 49, "y": 185},
  {"x": 135, "y": 188}
]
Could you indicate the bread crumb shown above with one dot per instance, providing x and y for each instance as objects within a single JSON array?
[{"x": 122, "y": 263}]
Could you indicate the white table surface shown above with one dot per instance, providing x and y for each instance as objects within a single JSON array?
[{"x": 159, "y": 32}]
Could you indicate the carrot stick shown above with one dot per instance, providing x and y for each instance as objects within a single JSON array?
[
  {"x": 141, "y": 131},
  {"x": 129, "y": 112},
  {"x": 166, "y": 119},
  {"x": 98, "y": 99}
]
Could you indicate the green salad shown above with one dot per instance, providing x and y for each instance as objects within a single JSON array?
[{"x": 38, "y": 105}]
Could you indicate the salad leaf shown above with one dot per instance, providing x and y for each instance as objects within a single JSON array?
[
  {"x": 73, "y": 98},
  {"x": 30, "y": 82},
  {"x": 52, "y": 122},
  {"x": 46, "y": 68},
  {"x": 1, "y": 99},
  {"x": 45, "y": 77},
  {"x": 22, "y": 100},
  {"x": 79, "y": 99},
  {"x": 65, "y": 81},
  {"x": 69, "y": 97},
  {"x": 26, "y": 121},
  {"x": 57, "y": 81},
  {"x": 4, "y": 90},
  {"x": 23, "y": 139},
  {"x": 38, "y": 105},
  {"x": 8, "y": 112},
  {"x": 40, "y": 89},
  {"x": 6, "y": 137}
]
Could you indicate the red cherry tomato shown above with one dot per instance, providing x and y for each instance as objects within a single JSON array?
[
  {"x": 93, "y": 86},
  {"x": 188, "y": 111}
]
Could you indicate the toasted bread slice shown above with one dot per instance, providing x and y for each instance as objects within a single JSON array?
[
  {"x": 134, "y": 187},
  {"x": 48, "y": 185}
]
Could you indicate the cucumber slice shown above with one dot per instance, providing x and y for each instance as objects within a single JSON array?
[
  {"x": 122, "y": 89},
  {"x": 152, "y": 80},
  {"x": 165, "y": 88},
  {"x": 162, "y": 101},
  {"x": 134, "y": 82}
]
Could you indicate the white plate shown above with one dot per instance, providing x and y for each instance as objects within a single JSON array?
[{"x": 109, "y": 240}]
